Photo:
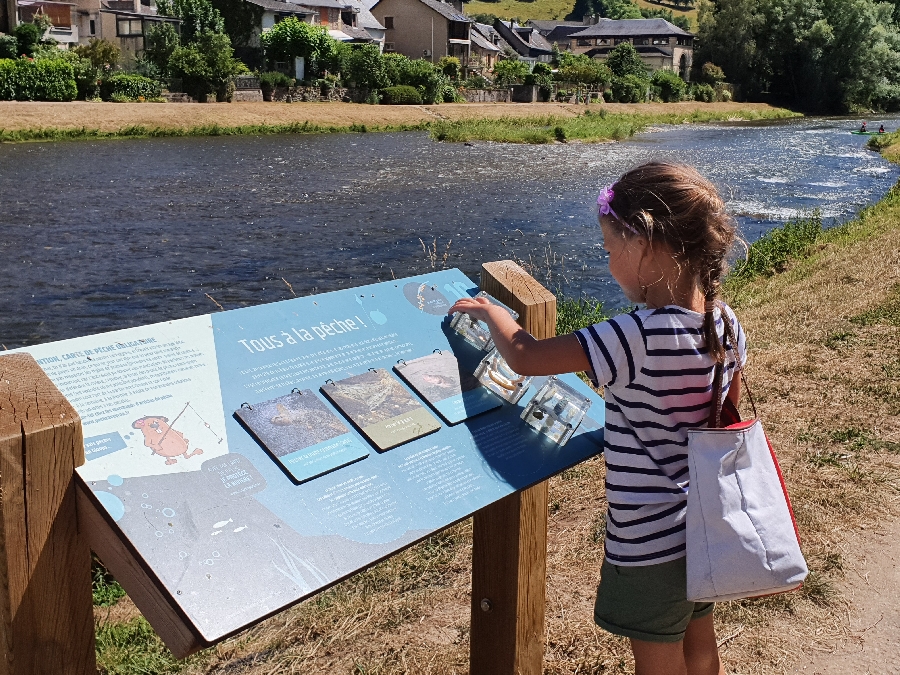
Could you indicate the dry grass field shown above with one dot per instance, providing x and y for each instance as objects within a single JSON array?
[{"x": 29, "y": 115}]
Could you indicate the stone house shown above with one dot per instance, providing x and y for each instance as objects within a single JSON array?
[
  {"x": 122, "y": 22},
  {"x": 526, "y": 41},
  {"x": 486, "y": 48},
  {"x": 428, "y": 29},
  {"x": 660, "y": 44}
]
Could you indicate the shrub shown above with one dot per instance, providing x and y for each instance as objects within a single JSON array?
[
  {"x": 9, "y": 46},
  {"x": 476, "y": 82},
  {"x": 450, "y": 66},
  {"x": 402, "y": 94},
  {"x": 44, "y": 80},
  {"x": 123, "y": 87},
  {"x": 510, "y": 71},
  {"x": 583, "y": 70},
  {"x": 450, "y": 94},
  {"x": 629, "y": 89},
  {"x": 28, "y": 35},
  {"x": 206, "y": 66},
  {"x": 86, "y": 75},
  {"x": 711, "y": 74},
  {"x": 101, "y": 53},
  {"x": 705, "y": 93},
  {"x": 268, "y": 81},
  {"x": 366, "y": 68},
  {"x": 671, "y": 87}
]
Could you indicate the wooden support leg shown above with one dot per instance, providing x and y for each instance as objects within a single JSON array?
[
  {"x": 46, "y": 614},
  {"x": 509, "y": 577},
  {"x": 509, "y": 548}
]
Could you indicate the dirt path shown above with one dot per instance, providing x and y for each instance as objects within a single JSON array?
[
  {"x": 871, "y": 599},
  {"x": 20, "y": 115}
]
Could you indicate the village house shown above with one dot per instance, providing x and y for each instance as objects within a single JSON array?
[
  {"x": 526, "y": 41},
  {"x": 122, "y": 22},
  {"x": 428, "y": 29},
  {"x": 487, "y": 47},
  {"x": 660, "y": 44}
]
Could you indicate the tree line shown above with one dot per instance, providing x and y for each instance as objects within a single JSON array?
[{"x": 815, "y": 55}]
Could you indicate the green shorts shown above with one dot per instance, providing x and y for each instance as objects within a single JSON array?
[{"x": 646, "y": 603}]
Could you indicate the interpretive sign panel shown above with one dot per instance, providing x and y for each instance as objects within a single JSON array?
[{"x": 229, "y": 524}]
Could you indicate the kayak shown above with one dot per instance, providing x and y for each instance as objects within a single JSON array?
[{"x": 868, "y": 133}]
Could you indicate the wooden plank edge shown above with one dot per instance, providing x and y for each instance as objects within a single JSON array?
[{"x": 142, "y": 585}]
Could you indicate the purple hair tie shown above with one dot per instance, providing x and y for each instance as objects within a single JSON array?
[{"x": 604, "y": 200}]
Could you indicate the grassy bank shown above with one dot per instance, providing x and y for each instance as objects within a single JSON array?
[
  {"x": 589, "y": 127},
  {"x": 543, "y": 122},
  {"x": 141, "y": 131}
]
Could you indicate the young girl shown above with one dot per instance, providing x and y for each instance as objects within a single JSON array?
[{"x": 667, "y": 234}]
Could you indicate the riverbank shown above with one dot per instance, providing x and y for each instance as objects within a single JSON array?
[
  {"x": 822, "y": 312},
  {"x": 30, "y": 121}
]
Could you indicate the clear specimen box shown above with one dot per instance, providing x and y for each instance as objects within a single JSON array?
[
  {"x": 556, "y": 410},
  {"x": 494, "y": 373},
  {"x": 476, "y": 332}
]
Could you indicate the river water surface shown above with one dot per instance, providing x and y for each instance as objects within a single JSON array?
[{"x": 111, "y": 234}]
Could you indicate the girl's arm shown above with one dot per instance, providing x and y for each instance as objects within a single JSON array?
[{"x": 522, "y": 352}]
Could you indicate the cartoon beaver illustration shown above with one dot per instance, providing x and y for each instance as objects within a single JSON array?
[{"x": 163, "y": 440}]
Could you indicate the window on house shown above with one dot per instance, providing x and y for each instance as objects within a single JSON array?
[
  {"x": 388, "y": 46},
  {"x": 347, "y": 18},
  {"x": 127, "y": 27},
  {"x": 93, "y": 27},
  {"x": 619, "y": 41},
  {"x": 661, "y": 41},
  {"x": 582, "y": 42},
  {"x": 641, "y": 41},
  {"x": 389, "y": 22},
  {"x": 145, "y": 3}
]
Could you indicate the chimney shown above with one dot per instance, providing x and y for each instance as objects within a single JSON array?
[
  {"x": 590, "y": 19},
  {"x": 458, "y": 6}
]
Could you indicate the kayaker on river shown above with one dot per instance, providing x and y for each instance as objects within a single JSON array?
[
  {"x": 881, "y": 129},
  {"x": 863, "y": 128}
]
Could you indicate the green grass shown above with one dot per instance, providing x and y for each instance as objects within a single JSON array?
[
  {"x": 887, "y": 312},
  {"x": 133, "y": 648},
  {"x": 575, "y": 313},
  {"x": 106, "y": 590},
  {"x": 588, "y": 127},
  {"x": 140, "y": 131}
]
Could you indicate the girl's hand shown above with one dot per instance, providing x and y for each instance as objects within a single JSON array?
[{"x": 477, "y": 308}]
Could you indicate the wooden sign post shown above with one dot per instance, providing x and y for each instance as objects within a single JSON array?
[
  {"x": 509, "y": 547},
  {"x": 46, "y": 615}
]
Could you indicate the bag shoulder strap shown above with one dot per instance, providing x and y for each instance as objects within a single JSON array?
[{"x": 729, "y": 342}]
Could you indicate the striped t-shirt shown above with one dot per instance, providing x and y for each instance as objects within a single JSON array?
[{"x": 658, "y": 377}]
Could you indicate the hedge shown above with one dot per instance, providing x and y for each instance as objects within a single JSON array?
[
  {"x": 44, "y": 80},
  {"x": 122, "y": 87},
  {"x": 401, "y": 95}
]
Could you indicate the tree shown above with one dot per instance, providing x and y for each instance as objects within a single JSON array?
[
  {"x": 450, "y": 66},
  {"x": 102, "y": 54},
  {"x": 365, "y": 67},
  {"x": 510, "y": 71},
  {"x": 629, "y": 89},
  {"x": 241, "y": 19},
  {"x": 291, "y": 38},
  {"x": 206, "y": 66},
  {"x": 711, "y": 74},
  {"x": 610, "y": 9},
  {"x": 28, "y": 36},
  {"x": 197, "y": 17},
  {"x": 671, "y": 88},
  {"x": 160, "y": 43},
  {"x": 583, "y": 70},
  {"x": 624, "y": 60}
]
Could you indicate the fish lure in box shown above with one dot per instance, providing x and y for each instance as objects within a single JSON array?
[
  {"x": 556, "y": 410},
  {"x": 495, "y": 374},
  {"x": 476, "y": 332}
]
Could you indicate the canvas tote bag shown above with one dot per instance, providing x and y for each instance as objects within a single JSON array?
[{"x": 742, "y": 540}]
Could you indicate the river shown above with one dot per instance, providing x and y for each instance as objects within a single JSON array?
[{"x": 110, "y": 234}]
